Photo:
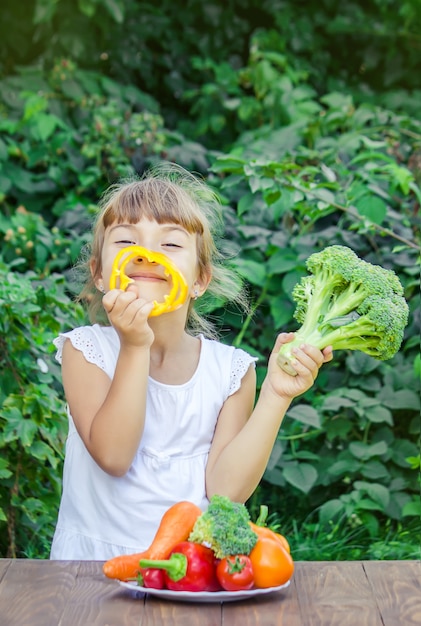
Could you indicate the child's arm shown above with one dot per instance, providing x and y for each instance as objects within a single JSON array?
[
  {"x": 109, "y": 414},
  {"x": 242, "y": 444}
]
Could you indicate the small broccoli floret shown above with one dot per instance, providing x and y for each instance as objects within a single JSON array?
[
  {"x": 349, "y": 304},
  {"x": 225, "y": 528}
]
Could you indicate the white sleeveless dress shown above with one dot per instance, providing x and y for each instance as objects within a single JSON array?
[{"x": 102, "y": 516}]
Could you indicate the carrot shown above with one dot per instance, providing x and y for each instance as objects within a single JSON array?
[{"x": 175, "y": 526}]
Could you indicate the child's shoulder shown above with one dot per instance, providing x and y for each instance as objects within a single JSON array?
[
  {"x": 228, "y": 362},
  {"x": 84, "y": 333},
  {"x": 93, "y": 341}
]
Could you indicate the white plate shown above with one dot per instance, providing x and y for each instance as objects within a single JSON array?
[{"x": 202, "y": 596}]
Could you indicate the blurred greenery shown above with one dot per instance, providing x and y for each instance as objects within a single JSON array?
[{"x": 305, "y": 119}]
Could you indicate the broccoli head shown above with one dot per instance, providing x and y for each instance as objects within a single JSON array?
[
  {"x": 349, "y": 304},
  {"x": 225, "y": 528}
]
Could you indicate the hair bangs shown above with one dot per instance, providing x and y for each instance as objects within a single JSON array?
[{"x": 158, "y": 200}]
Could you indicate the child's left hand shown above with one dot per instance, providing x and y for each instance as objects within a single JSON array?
[{"x": 308, "y": 361}]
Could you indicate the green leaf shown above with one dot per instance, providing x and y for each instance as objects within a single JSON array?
[
  {"x": 412, "y": 509},
  {"x": 5, "y": 184},
  {"x": 367, "y": 504},
  {"x": 337, "y": 100},
  {"x": 330, "y": 509},
  {"x": 401, "y": 450},
  {"x": 398, "y": 500},
  {"x": 282, "y": 261},
  {"x": 344, "y": 466},
  {"x": 116, "y": 9},
  {"x": 360, "y": 363},
  {"x": 245, "y": 203},
  {"x": 282, "y": 204},
  {"x": 325, "y": 196},
  {"x": 399, "y": 399},
  {"x": 378, "y": 414},
  {"x": 72, "y": 89},
  {"x": 40, "y": 450},
  {"x": 229, "y": 163},
  {"x": 301, "y": 475},
  {"x": 365, "y": 451},
  {"x": 20, "y": 177},
  {"x": 414, "y": 462},
  {"x": 281, "y": 310},
  {"x": 44, "y": 11},
  {"x": 375, "y": 470},
  {"x": 371, "y": 156},
  {"x": 34, "y": 105},
  {"x": 260, "y": 183},
  {"x": 17, "y": 427},
  {"x": 4, "y": 471},
  {"x": 305, "y": 414},
  {"x": 44, "y": 125},
  {"x": 402, "y": 177},
  {"x": 338, "y": 426},
  {"x": 252, "y": 271},
  {"x": 372, "y": 207},
  {"x": 334, "y": 403},
  {"x": 377, "y": 492},
  {"x": 88, "y": 7},
  {"x": 3, "y": 152}
]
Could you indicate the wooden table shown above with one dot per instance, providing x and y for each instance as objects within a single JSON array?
[{"x": 72, "y": 593}]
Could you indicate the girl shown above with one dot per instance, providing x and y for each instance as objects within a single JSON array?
[{"x": 158, "y": 411}]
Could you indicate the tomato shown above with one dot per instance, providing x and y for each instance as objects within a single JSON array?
[
  {"x": 235, "y": 573},
  {"x": 151, "y": 578},
  {"x": 272, "y": 564}
]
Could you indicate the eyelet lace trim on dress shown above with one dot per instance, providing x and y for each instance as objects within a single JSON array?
[
  {"x": 240, "y": 364},
  {"x": 81, "y": 341}
]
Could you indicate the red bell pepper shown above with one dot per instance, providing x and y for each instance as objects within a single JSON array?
[
  {"x": 190, "y": 567},
  {"x": 235, "y": 573}
]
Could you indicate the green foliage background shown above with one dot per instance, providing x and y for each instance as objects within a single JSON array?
[{"x": 305, "y": 118}]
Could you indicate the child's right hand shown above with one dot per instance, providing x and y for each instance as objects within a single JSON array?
[{"x": 128, "y": 314}]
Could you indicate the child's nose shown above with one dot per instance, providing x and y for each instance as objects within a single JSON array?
[{"x": 140, "y": 259}]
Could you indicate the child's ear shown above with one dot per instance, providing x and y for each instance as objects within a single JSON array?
[
  {"x": 201, "y": 284},
  {"x": 96, "y": 276}
]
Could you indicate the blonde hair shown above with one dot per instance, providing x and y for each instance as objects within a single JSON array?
[{"x": 167, "y": 194}]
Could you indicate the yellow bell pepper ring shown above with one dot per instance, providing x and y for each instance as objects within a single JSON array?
[{"x": 179, "y": 288}]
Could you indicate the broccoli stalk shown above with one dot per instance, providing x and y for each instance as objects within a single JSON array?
[
  {"x": 225, "y": 528},
  {"x": 349, "y": 304}
]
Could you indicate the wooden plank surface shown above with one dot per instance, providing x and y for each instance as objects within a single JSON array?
[
  {"x": 396, "y": 586},
  {"x": 60, "y": 593},
  {"x": 34, "y": 594},
  {"x": 4, "y": 565},
  {"x": 159, "y": 612},
  {"x": 335, "y": 594},
  {"x": 96, "y": 601}
]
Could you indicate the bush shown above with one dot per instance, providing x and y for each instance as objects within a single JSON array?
[
  {"x": 343, "y": 175},
  {"x": 299, "y": 163},
  {"x": 33, "y": 421}
]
